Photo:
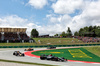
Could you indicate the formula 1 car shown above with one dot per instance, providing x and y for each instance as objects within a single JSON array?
[
  {"x": 52, "y": 58},
  {"x": 51, "y": 47},
  {"x": 29, "y": 49},
  {"x": 18, "y": 53}
]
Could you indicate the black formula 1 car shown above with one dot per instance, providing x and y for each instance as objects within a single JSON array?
[
  {"x": 51, "y": 47},
  {"x": 18, "y": 53},
  {"x": 29, "y": 49},
  {"x": 52, "y": 58}
]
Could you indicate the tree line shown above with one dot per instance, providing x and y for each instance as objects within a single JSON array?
[
  {"x": 68, "y": 33},
  {"x": 91, "y": 31}
]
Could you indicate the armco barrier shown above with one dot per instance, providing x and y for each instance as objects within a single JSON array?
[{"x": 47, "y": 46}]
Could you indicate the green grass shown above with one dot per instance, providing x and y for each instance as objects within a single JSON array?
[
  {"x": 57, "y": 41},
  {"x": 60, "y": 41},
  {"x": 25, "y": 62},
  {"x": 17, "y": 44},
  {"x": 95, "y": 50},
  {"x": 52, "y": 41},
  {"x": 80, "y": 54}
]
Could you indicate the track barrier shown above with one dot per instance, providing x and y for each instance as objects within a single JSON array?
[{"x": 47, "y": 46}]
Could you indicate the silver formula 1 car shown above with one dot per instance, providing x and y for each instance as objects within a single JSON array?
[{"x": 52, "y": 58}]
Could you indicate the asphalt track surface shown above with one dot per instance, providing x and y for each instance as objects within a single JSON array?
[
  {"x": 7, "y": 54},
  {"x": 14, "y": 64}
]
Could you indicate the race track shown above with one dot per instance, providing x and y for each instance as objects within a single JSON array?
[{"x": 7, "y": 54}]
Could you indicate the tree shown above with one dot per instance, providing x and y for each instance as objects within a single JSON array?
[
  {"x": 90, "y": 28},
  {"x": 34, "y": 33},
  {"x": 86, "y": 31},
  {"x": 69, "y": 33},
  {"x": 91, "y": 31},
  {"x": 56, "y": 35},
  {"x": 76, "y": 34},
  {"x": 97, "y": 31},
  {"x": 63, "y": 34},
  {"x": 81, "y": 33}
]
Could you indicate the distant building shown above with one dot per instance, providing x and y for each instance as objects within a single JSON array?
[{"x": 44, "y": 36}]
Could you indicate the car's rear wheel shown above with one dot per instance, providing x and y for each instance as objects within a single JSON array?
[
  {"x": 42, "y": 58},
  {"x": 23, "y": 55},
  {"x": 13, "y": 53}
]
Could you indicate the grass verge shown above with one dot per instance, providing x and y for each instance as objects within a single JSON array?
[
  {"x": 95, "y": 50},
  {"x": 25, "y": 62}
]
